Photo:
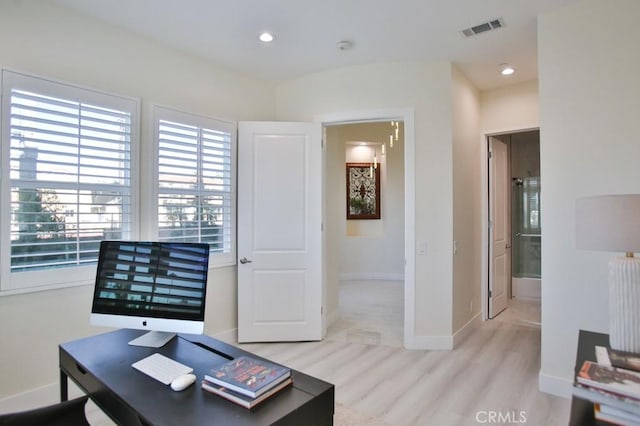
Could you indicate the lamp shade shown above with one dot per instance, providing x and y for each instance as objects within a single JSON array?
[{"x": 608, "y": 223}]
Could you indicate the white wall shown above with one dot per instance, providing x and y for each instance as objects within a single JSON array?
[
  {"x": 513, "y": 107},
  {"x": 43, "y": 39},
  {"x": 369, "y": 249},
  {"x": 467, "y": 203},
  {"x": 589, "y": 61},
  {"x": 377, "y": 252},
  {"x": 426, "y": 88}
]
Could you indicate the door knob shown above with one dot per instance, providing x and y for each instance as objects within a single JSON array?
[{"x": 245, "y": 260}]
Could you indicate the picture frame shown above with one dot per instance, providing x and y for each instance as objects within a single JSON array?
[{"x": 363, "y": 191}]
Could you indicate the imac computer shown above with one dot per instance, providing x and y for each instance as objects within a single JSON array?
[{"x": 155, "y": 286}]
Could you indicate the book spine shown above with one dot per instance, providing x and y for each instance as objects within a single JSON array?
[
  {"x": 216, "y": 391},
  {"x": 230, "y": 386},
  {"x": 600, "y": 397},
  {"x": 589, "y": 376},
  {"x": 249, "y": 393}
]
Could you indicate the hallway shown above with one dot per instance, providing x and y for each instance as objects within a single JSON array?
[{"x": 371, "y": 312}]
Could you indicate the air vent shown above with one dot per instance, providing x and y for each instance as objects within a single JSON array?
[{"x": 484, "y": 27}]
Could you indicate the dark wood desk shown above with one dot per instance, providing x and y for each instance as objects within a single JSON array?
[
  {"x": 101, "y": 366},
  {"x": 582, "y": 409}
]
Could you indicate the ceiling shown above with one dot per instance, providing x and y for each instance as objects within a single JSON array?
[{"x": 226, "y": 32}]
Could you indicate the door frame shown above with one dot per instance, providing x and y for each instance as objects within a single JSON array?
[
  {"x": 407, "y": 116},
  {"x": 484, "y": 220}
]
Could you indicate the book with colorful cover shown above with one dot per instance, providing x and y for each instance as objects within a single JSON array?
[
  {"x": 616, "y": 358},
  {"x": 619, "y": 381},
  {"x": 241, "y": 399},
  {"x": 248, "y": 376}
]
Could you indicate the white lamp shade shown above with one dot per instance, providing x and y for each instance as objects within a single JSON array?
[{"x": 608, "y": 223}]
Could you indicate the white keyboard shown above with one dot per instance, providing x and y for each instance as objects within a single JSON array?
[{"x": 161, "y": 368}]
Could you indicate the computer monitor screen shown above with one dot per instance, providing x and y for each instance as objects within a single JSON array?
[{"x": 155, "y": 286}]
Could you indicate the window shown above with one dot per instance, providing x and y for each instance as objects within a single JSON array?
[
  {"x": 196, "y": 178},
  {"x": 66, "y": 173}
]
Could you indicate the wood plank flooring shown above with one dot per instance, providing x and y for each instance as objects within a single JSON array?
[{"x": 495, "y": 370}]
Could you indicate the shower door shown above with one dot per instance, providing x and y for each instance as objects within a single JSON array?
[{"x": 526, "y": 241}]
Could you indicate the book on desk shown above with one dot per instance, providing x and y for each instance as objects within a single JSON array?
[
  {"x": 614, "y": 391},
  {"x": 611, "y": 379},
  {"x": 627, "y": 360},
  {"x": 241, "y": 399},
  {"x": 246, "y": 380}
]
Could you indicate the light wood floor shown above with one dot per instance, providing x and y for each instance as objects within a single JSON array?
[{"x": 495, "y": 370}]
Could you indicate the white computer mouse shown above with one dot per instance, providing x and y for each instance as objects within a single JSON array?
[{"x": 183, "y": 382}]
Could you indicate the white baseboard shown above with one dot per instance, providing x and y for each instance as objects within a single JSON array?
[
  {"x": 33, "y": 398},
  {"x": 433, "y": 343},
  {"x": 227, "y": 336},
  {"x": 371, "y": 276},
  {"x": 438, "y": 343},
  {"x": 554, "y": 385},
  {"x": 467, "y": 329},
  {"x": 38, "y": 397},
  {"x": 332, "y": 317}
]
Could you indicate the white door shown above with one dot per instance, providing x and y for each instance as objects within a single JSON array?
[
  {"x": 279, "y": 232},
  {"x": 499, "y": 230}
]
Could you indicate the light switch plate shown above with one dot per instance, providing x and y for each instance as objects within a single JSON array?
[{"x": 421, "y": 248}]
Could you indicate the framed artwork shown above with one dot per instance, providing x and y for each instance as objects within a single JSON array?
[{"x": 363, "y": 191}]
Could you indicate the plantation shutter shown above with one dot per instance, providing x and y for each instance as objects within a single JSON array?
[
  {"x": 70, "y": 173},
  {"x": 195, "y": 181}
]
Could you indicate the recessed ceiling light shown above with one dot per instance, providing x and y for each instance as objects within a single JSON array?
[
  {"x": 506, "y": 69},
  {"x": 266, "y": 37}
]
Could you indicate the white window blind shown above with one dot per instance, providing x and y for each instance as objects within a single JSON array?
[
  {"x": 69, "y": 158},
  {"x": 195, "y": 164}
]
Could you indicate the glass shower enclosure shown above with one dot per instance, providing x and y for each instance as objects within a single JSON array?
[{"x": 526, "y": 232}]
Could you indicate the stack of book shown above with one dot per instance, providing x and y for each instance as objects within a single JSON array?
[
  {"x": 247, "y": 381},
  {"x": 613, "y": 385}
]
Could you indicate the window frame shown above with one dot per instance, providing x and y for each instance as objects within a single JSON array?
[
  {"x": 54, "y": 278},
  {"x": 160, "y": 112}
]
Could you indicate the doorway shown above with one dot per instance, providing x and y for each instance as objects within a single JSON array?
[
  {"x": 365, "y": 258},
  {"x": 522, "y": 218}
]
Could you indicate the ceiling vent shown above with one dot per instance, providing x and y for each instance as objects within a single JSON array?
[{"x": 484, "y": 27}]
